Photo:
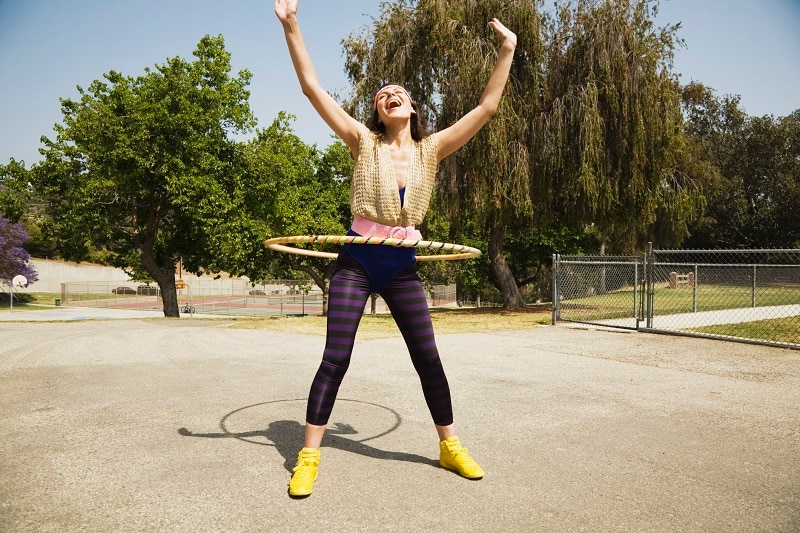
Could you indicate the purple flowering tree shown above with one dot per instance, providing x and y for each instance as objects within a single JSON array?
[{"x": 14, "y": 259}]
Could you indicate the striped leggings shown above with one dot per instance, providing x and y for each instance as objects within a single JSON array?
[{"x": 349, "y": 290}]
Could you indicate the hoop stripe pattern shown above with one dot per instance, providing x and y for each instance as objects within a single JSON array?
[{"x": 458, "y": 251}]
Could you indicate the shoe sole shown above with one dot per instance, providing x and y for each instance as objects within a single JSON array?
[
  {"x": 302, "y": 494},
  {"x": 453, "y": 469}
]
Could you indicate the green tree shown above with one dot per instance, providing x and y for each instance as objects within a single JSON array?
[
  {"x": 148, "y": 169},
  {"x": 768, "y": 165},
  {"x": 443, "y": 52},
  {"x": 588, "y": 132},
  {"x": 308, "y": 193},
  {"x": 15, "y": 194},
  {"x": 18, "y": 203},
  {"x": 787, "y": 192},
  {"x": 754, "y": 197},
  {"x": 610, "y": 136},
  {"x": 711, "y": 125}
]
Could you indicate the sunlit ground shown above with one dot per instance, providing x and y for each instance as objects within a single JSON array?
[{"x": 444, "y": 322}]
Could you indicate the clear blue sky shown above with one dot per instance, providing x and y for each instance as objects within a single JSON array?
[{"x": 48, "y": 47}]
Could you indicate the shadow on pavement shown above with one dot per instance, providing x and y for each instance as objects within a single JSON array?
[{"x": 287, "y": 437}]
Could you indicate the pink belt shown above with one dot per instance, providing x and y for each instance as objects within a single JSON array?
[{"x": 368, "y": 228}]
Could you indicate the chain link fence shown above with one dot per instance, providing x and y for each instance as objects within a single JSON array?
[
  {"x": 744, "y": 295},
  {"x": 598, "y": 288},
  {"x": 224, "y": 297},
  {"x": 221, "y": 297}
]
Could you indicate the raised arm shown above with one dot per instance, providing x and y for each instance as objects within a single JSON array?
[
  {"x": 455, "y": 136},
  {"x": 329, "y": 109}
]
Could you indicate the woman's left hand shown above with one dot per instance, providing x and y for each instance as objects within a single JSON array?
[{"x": 507, "y": 37}]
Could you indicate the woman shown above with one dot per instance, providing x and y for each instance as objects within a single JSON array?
[{"x": 395, "y": 168}]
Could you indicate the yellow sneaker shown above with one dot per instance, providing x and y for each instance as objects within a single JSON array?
[
  {"x": 455, "y": 457},
  {"x": 305, "y": 473}
]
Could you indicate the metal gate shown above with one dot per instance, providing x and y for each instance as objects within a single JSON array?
[
  {"x": 604, "y": 290},
  {"x": 741, "y": 295}
]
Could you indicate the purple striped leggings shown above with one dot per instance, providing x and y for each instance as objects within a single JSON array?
[{"x": 349, "y": 290}]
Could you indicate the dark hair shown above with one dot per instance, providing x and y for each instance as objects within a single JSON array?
[{"x": 419, "y": 128}]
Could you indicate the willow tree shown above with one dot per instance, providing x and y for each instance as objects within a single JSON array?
[
  {"x": 589, "y": 130},
  {"x": 610, "y": 136},
  {"x": 443, "y": 52}
]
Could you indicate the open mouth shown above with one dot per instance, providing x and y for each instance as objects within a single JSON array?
[{"x": 393, "y": 103}]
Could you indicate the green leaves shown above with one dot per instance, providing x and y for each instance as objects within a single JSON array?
[
  {"x": 754, "y": 168},
  {"x": 302, "y": 191},
  {"x": 587, "y": 132},
  {"x": 614, "y": 121},
  {"x": 147, "y": 168},
  {"x": 15, "y": 194}
]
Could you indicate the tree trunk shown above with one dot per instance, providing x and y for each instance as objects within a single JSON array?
[
  {"x": 321, "y": 276},
  {"x": 601, "y": 288},
  {"x": 502, "y": 277},
  {"x": 169, "y": 296},
  {"x": 165, "y": 281}
]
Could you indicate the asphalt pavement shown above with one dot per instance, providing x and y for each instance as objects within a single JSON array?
[{"x": 154, "y": 424}]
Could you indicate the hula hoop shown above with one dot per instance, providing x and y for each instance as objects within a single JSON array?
[{"x": 458, "y": 251}]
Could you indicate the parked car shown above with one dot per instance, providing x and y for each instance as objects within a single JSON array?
[
  {"x": 123, "y": 290},
  {"x": 147, "y": 290},
  {"x": 258, "y": 292}
]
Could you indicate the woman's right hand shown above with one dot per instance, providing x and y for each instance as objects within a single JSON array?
[{"x": 285, "y": 9}]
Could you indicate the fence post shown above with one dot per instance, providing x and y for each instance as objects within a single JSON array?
[
  {"x": 636, "y": 293},
  {"x": 555, "y": 313},
  {"x": 754, "y": 285},
  {"x": 694, "y": 290},
  {"x": 649, "y": 267}
]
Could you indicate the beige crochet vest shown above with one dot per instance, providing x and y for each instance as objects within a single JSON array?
[{"x": 373, "y": 189}]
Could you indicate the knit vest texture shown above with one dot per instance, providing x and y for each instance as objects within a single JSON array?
[{"x": 373, "y": 189}]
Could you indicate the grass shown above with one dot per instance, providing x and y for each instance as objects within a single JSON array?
[
  {"x": 714, "y": 297},
  {"x": 38, "y": 299},
  {"x": 784, "y": 330},
  {"x": 444, "y": 321},
  {"x": 18, "y": 307},
  {"x": 619, "y": 304},
  {"x": 610, "y": 305},
  {"x": 45, "y": 298}
]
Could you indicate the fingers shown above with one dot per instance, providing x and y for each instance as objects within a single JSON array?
[
  {"x": 285, "y": 8},
  {"x": 502, "y": 32},
  {"x": 498, "y": 27}
]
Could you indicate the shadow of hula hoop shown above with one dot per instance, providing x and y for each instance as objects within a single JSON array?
[{"x": 223, "y": 422}]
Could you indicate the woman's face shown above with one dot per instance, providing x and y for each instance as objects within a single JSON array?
[{"x": 393, "y": 103}]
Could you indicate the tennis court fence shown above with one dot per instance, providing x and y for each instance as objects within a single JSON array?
[
  {"x": 743, "y": 295},
  {"x": 223, "y": 297}
]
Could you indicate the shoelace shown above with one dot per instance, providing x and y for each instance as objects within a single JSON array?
[
  {"x": 461, "y": 454},
  {"x": 305, "y": 461}
]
